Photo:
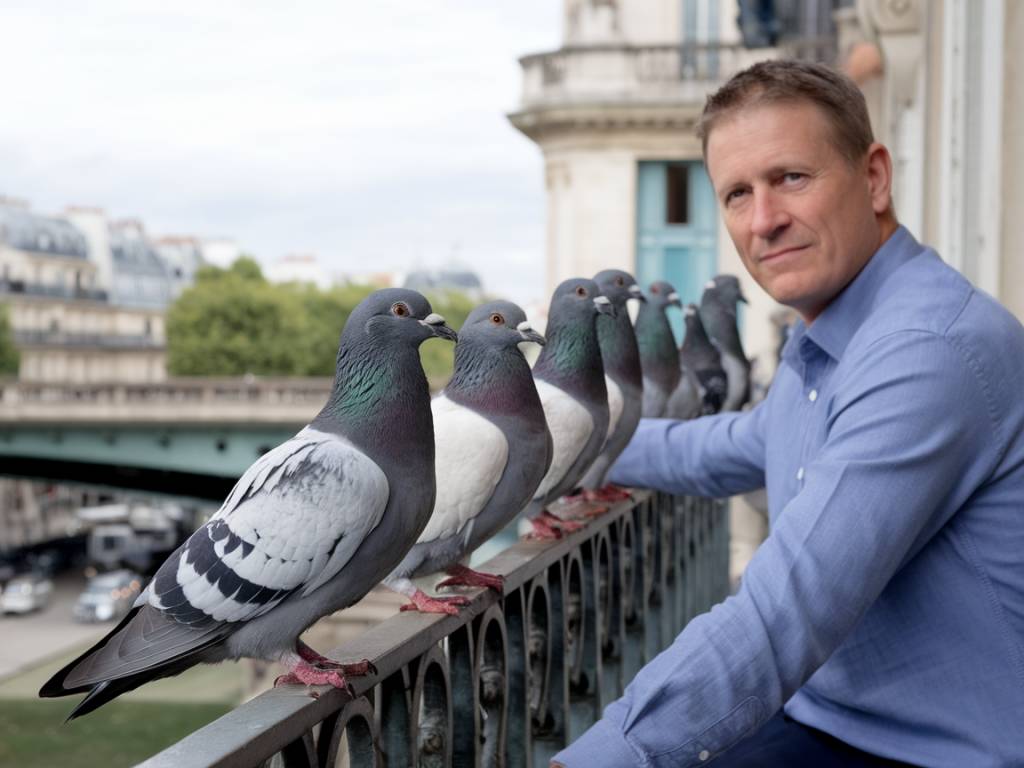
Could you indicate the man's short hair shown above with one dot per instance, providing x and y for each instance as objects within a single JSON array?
[{"x": 781, "y": 81}]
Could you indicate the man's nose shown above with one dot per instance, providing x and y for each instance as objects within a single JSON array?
[{"x": 769, "y": 217}]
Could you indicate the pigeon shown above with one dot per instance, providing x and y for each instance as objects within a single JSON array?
[
  {"x": 308, "y": 530},
  {"x": 702, "y": 387},
  {"x": 569, "y": 375},
  {"x": 493, "y": 448},
  {"x": 718, "y": 313},
  {"x": 623, "y": 379},
  {"x": 659, "y": 358}
]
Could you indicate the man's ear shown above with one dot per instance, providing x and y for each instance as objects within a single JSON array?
[{"x": 879, "y": 171}]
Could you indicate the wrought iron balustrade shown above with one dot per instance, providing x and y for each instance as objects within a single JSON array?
[{"x": 511, "y": 679}]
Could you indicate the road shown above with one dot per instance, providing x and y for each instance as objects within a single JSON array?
[{"x": 27, "y": 640}]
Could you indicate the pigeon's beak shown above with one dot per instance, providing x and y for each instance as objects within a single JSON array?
[
  {"x": 438, "y": 327},
  {"x": 528, "y": 334},
  {"x": 604, "y": 306},
  {"x": 673, "y": 299},
  {"x": 636, "y": 293}
]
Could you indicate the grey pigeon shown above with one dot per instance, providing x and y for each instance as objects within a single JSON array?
[
  {"x": 702, "y": 388},
  {"x": 659, "y": 357},
  {"x": 493, "y": 449},
  {"x": 308, "y": 530},
  {"x": 623, "y": 376},
  {"x": 718, "y": 313},
  {"x": 569, "y": 375}
]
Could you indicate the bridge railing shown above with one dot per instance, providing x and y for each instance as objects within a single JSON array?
[{"x": 510, "y": 680}]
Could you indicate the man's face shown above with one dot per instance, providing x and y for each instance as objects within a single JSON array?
[{"x": 803, "y": 219}]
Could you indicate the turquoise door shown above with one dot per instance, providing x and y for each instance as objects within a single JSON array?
[{"x": 677, "y": 229}]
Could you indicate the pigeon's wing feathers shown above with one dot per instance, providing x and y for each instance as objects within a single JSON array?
[
  {"x": 292, "y": 523},
  {"x": 570, "y": 425},
  {"x": 615, "y": 405},
  {"x": 471, "y": 454}
]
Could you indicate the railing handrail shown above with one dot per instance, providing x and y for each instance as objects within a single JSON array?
[{"x": 636, "y": 551}]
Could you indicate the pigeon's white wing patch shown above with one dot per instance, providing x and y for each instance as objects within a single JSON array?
[
  {"x": 615, "y": 404},
  {"x": 292, "y": 522},
  {"x": 570, "y": 425},
  {"x": 471, "y": 456}
]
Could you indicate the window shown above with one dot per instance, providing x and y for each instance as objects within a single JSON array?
[{"x": 677, "y": 194}]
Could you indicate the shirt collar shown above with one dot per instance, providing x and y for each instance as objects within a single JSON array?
[{"x": 836, "y": 325}]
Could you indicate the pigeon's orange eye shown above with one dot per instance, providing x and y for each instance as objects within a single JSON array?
[
  {"x": 497, "y": 319},
  {"x": 654, "y": 289},
  {"x": 400, "y": 309},
  {"x": 619, "y": 280},
  {"x": 581, "y": 291}
]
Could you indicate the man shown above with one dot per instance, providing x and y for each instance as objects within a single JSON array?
[{"x": 885, "y": 611}]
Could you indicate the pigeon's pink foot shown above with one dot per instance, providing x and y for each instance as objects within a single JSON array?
[
  {"x": 306, "y": 674},
  {"x": 609, "y": 494},
  {"x": 351, "y": 669},
  {"x": 547, "y": 526},
  {"x": 461, "y": 576},
  {"x": 423, "y": 602}
]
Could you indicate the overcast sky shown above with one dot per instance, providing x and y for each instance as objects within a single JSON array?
[{"x": 372, "y": 134}]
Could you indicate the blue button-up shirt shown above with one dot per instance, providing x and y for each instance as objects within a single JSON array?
[{"x": 887, "y": 605}]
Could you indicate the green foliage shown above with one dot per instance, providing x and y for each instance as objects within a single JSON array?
[
  {"x": 8, "y": 352},
  {"x": 232, "y": 322}
]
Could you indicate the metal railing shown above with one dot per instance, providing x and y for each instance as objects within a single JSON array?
[
  {"x": 52, "y": 291},
  {"x": 510, "y": 680},
  {"x": 75, "y": 340}
]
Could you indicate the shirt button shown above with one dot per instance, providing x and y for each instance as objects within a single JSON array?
[
  {"x": 812, "y": 395},
  {"x": 800, "y": 474},
  {"x": 704, "y": 755}
]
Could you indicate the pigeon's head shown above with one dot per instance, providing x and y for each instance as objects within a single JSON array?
[
  {"x": 500, "y": 324},
  {"x": 619, "y": 286},
  {"x": 726, "y": 288},
  {"x": 398, "y": 315},
  {"x": 662, "y": 295},
  {"x": 579, "y": 299}
]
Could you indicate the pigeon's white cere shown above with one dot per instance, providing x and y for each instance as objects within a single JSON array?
[
  {"x": 471, "y": 455},
  {"x": 570, "y": 425},
  {"x": 433, "y": 319},
  {"x": 709, "y": 284},
  {"x": 615, "y": 403},
  {"x": 689, "y": 311},
  {"x": 673, "y": 296}
]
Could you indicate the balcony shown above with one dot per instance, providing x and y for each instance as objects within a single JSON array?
[
  {"x": 644, "y": 74},
  {"x": 510, "y": 680},
  {"x": 23, "y": 288},
  {"x": 67, "y": 340}
]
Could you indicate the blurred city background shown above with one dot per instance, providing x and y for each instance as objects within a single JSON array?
[{"x": 193, "y": 198}]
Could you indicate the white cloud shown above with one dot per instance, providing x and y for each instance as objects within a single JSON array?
[{"x": 350, "y": 129}]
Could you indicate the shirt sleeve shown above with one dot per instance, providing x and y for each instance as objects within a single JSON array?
[
  {"x": 712, "y": 456},
  {"x": 910, "y": 438}
]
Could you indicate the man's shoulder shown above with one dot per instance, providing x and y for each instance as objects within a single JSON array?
[
  {"x": 927, "y": 296},
  {"x": 928, "y": 301}
]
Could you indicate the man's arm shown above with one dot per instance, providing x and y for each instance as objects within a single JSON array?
[
  {"x": 908, "y": 443},
  {"x": 712, "y": 456}
]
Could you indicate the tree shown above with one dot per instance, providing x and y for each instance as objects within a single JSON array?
[
  {"x": 9, "y": 357},
  {"x": 232, "y": 322}
]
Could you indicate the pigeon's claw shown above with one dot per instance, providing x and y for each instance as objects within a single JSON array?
[
  {"x": 423, "y": 602},
  {"x": 351, "y": 669},
  {"x": 307, "y": 674},
  {"x": 547, "y": 526},
  {"x": 609, "y": 494},
  {"x": 461, "y": 576}
]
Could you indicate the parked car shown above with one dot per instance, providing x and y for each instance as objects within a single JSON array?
[
  {"x": 108, "y": 596},
  {"x": 26, "y": 593}
]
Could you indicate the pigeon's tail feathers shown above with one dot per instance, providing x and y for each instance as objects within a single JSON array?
[
  {"x": 145, "y": 645},
  {"x": 109, "y": 690}
]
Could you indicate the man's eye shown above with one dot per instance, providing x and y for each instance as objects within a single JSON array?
[
  {"x": 791, "y": 177},
  {"x": 731, "y": 196}
]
